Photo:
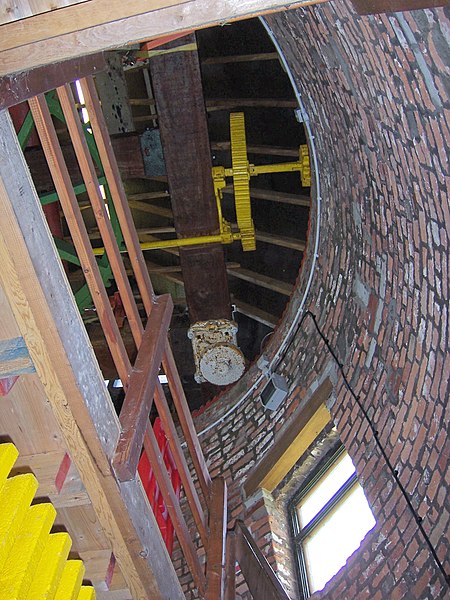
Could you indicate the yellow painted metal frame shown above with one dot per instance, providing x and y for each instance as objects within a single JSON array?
[{"x": 241, "y": 171}]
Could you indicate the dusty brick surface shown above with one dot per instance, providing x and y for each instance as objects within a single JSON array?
[{"x": 376, "y": 90}]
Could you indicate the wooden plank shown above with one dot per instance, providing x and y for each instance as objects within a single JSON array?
[
  {"x": 230, "y": 567},
  {"x": 296, "y": 435},
  {"x": 139, "y": 397},
  {"x": 149, "y": 25},
  {"x": 152, "y": 209},
  {"x": 255, "y": 313},
  {"x": 180, "y": 461},
  {"x": 264, "y": 150},
  {"x": 84, "y": 15},
  {"x": 99, "y": 209},
  {"x": 258, "y": 574},
  {"x": 281, "y": 240},
  {"x": 263, "y": 281},
  {"x": 239, "y": 58},
  {"x": 50, "y": 323},
  {"x": 274, "y": 196},
  {"x": 186, "y": 422},
  {"x": 72, "y": 213},
  {"x": 213, "y": 105},
  {"x": 14, "y": 358},
  {"x": 22, "y": 86},
  {"x": 215, "y": 571},
  {"x": 173, "y": 506}
]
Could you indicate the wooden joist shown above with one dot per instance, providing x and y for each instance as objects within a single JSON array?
[
  {"x": 139, "y": 397},
  {"x": 25, "y": 85},
  {"x": 280, "y": 240},
  {"x": 263, "y": 150},
  {"x": 253, "y": 312},
  {"x": 264, "y": 281},
  {"x": 274, "y": 196},
  {"x": 213, "y": 105},
  {"x": 239, "y": 58}
]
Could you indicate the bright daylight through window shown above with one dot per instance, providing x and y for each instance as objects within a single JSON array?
[{"x": 331, "y": 517}]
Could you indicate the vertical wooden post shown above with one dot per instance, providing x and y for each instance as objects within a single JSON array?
[
  {"x": 230, "y": 566},
  {"x": 215, "y": 566}
]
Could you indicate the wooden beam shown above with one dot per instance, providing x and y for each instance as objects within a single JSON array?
[
  {"x": 72, "y": 213},
  {"x": 87, "y": 168},
  {"x": 274, "y": 196},
  {"x": 178, "y": 92},
  {"x": 297, "y": 434},
  {"x": 173, "y": 506},
  {"x": 230, "y": 567},
  {"x": 41, "y": 49},
  {"x": 213, "y": 105},
  {"x": 239, "y": 58},
  {"x": 182, "y": 466},
  {"x": 139, "y": 397},
  {"x": 152, "y": 209},
  {"x": 14, "y": 358},
  {"x": 255, "y": 313},
  {"x": 215, "y": 565},
  {"x": 264, "y": 150},
  {"x": 186, "y": 423},
  {"x": 281, "y": 287},
  {"x": 258, "y": 574},
  {"x": 69, "y": 19},
  {"x": 281, "y": 240},
  {"x": 50, "y": 323},
  {"x": 25, "y": 85}
]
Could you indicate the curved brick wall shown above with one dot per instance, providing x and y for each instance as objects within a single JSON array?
[{"x": 377, "y": 95}]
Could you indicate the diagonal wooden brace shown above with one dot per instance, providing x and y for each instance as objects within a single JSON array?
[{"x": 139, "y": 397}]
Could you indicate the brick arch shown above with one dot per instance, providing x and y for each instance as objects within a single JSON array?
[{"x": 376, "y": 93}]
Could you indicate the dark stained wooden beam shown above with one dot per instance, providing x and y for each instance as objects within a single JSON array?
[
  {"x": 184, "y": 136},
  {"x": 18, "y": 87}
]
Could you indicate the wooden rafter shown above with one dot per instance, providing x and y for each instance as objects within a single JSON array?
[{"x": 264, "y": 281}]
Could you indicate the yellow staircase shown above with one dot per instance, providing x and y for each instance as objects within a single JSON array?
[{"x": 33, "y": 561}]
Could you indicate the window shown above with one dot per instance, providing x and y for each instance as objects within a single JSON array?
[{"x": 330, "y": 518}]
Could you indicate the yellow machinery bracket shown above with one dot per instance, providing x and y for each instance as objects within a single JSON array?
[{"x": 241, "y": 171}]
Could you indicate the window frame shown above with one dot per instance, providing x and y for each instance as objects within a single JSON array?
[{"x": 299, "y": 534}]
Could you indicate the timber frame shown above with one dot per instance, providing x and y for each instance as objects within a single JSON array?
[{"x": 39, "y": 304}]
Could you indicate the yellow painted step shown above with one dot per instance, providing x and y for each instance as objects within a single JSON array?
[
  {"x": 15, "y": 499},
  {"x": 21, "y": 564},
  {"x": 86, "y": 593},
  {"x": 71, "y": 580},
  {"x": 8, "y": 456},
  {"x": 50, "y": 567}
]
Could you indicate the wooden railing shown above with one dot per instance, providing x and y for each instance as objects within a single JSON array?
[
  {"x": 141, "y": 383},
  {"x": 258, "y": 574}
]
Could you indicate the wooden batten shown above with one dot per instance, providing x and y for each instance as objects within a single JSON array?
[{"x": 215, "y": 567}]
